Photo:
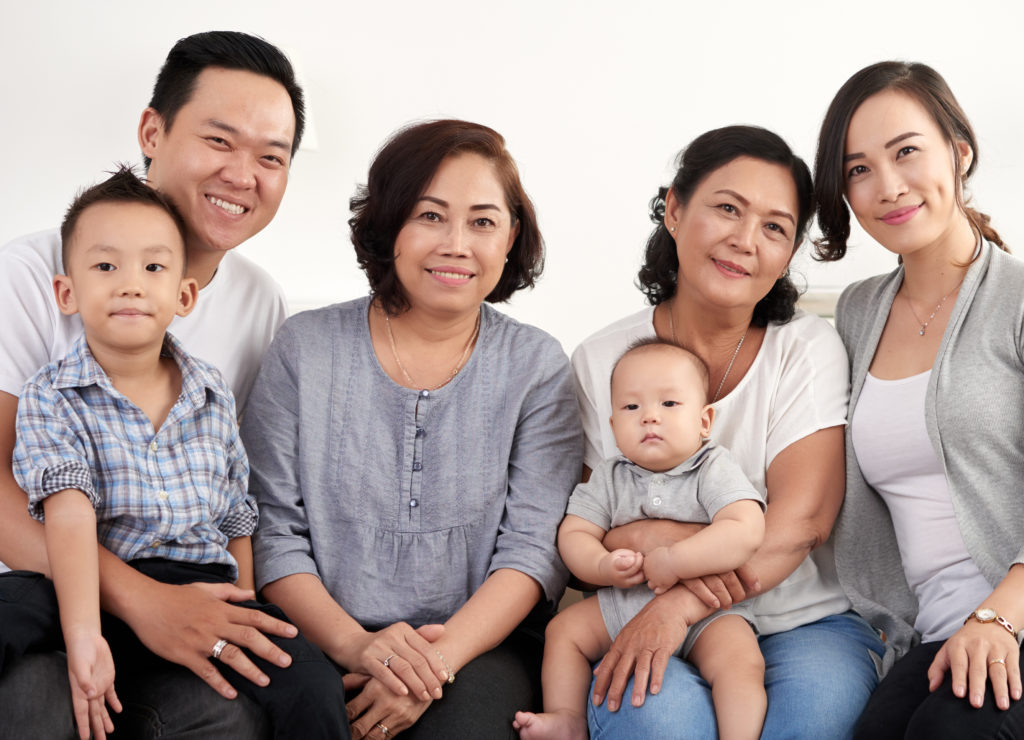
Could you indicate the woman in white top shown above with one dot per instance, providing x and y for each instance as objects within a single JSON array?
[
  {"x": 929, "y": 542},
  {"x": 716, "y": 274}
]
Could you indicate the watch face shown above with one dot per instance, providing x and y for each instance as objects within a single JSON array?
[{"x": 985, "y": 615}]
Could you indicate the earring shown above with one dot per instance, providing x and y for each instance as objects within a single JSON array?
[{"x": 672, "y": 229}]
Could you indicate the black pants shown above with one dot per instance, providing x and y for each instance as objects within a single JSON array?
[
  {"x": 305, "y": 700},
  {"x": 902, "y": 707}
]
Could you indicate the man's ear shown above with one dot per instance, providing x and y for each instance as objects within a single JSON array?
[
  {"x": 151, "y": 128},
  {"x": 64, "y": 292},
  {"x": 187, "y": 294}
]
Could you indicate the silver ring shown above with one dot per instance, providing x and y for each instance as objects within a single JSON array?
[
  {"x": 1001, "y": 661},
  {"x": 387, "y": 664},
  {"x": 218, "y": 648},
  {"x": 382, "y": 728}
]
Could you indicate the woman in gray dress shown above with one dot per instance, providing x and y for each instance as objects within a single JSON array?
[{"x": 412, "y": 451}]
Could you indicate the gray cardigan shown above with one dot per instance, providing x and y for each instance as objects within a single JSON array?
[
  {"x": 402, "y": 501},
  {"x": 974, "y": 412}
]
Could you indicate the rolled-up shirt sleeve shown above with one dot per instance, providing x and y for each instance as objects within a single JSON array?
[
  {"x": 270, "y": 431},
  {"x": 242, "y": 516},
  {"x": 49, "y": 456},
  {"x": 544, "y": 464}
]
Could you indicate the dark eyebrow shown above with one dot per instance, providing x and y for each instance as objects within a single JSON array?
[
  {"x": 901, "y": 137},
  {"x": 444, "y": 204},
  {"x": 228, "y": 128},
  {"x": 888, "y": 145},
  {"x": 744, "y": 202}
]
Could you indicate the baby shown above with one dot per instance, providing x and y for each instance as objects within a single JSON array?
[
  {"x": 130, "y": 438},
  {"x": 661, "y": 420}
]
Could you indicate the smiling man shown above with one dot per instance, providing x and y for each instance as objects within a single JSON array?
[{"x": 218, "y": 138}]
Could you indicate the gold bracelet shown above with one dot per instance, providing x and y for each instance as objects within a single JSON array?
[{"x": 986, "y": 615}]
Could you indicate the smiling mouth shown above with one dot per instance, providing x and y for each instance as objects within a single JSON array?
[
  {"x": 728, "y": 267},
  {"x": 450, "y": 275},
  {"x": 901, "y": 215},
  {"x": 233, "y": 208}
]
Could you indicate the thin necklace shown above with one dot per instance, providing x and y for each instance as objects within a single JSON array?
[
  {"x": 735, "y": 354},
  {"x": 455, "y": 370},
  {"x": 924, "y": 324}
]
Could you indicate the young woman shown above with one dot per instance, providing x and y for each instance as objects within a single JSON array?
[{"x": 929, "y": 541}]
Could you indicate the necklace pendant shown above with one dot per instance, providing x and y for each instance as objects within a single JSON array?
[{"x": 921, "y": 333}]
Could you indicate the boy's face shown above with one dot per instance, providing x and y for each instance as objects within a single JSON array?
[
  {"x": 125, "y": 275},
  {"x": 224, "y": 161},
  {"x": 659, "y": 415}
]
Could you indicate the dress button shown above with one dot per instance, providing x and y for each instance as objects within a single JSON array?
[
  {"x": 658, "y": 481},
  {"x": 420, "y": 432},
  {"x": 424, "y": 394},
  {"x": 417, "y": 466},
  {"x": 657, "y": 501},
  {"x": 413, "y": 503},
  {"x": 152, "y": 446}
]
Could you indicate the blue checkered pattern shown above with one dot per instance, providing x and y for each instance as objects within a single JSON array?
[{"x": 177, "y": 493}]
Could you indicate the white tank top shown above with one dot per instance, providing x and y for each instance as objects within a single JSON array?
[{"x": 897, "y": 459}]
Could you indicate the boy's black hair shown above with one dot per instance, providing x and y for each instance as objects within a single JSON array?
[{"x": 123, "y": 186}]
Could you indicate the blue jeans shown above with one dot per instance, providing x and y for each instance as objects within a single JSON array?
[{"x": 818, "y": 678}]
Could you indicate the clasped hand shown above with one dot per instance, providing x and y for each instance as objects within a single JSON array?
[{"x": 401, "y": 658}]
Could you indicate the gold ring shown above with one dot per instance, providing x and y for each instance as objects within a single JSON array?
[{"x": 1001, "y": 661}]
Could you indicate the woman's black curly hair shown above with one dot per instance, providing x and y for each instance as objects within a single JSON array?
[{"x": 704, "y": 155}]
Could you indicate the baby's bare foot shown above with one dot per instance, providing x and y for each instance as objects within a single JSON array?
[{"x": 551, "y": 726}]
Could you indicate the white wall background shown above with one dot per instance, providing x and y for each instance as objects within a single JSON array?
[{"x": 594, "y": 98}]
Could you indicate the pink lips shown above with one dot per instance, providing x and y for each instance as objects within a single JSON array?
[
  {"x": 900, "y": 215},
  {"x": 649, "y": 436},
  {"x": 729, "y": 269},
  {"x": 450, "y": 275}
]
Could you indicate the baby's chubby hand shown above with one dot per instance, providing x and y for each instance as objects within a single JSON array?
[
  {"x": 622, "y": 568},
  {"x": 659, "y": 570}
]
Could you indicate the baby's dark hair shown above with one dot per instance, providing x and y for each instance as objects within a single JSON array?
[
  {"x": 650, "y": 342},
  {"x": 123, "y": 186}
]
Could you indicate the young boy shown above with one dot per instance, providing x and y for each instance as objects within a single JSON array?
[
  {"x": 661, "y": 420},
  {"x": 131, "y": 438}
]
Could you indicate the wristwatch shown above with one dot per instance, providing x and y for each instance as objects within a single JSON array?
[{"x": 986, "y": 615}]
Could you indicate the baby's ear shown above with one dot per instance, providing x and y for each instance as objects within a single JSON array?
[
  {"x": 707, "y": 418},
  {"x": 64, "y": 292},
  {"x": 187, "y": 294}
]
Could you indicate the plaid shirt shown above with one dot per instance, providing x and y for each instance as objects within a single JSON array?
[{"x": 179, "y": 493}]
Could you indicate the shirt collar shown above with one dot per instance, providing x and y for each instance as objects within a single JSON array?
[
  {"x": 80, "y": 369},
  {"x": 691, "y": 463}
]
